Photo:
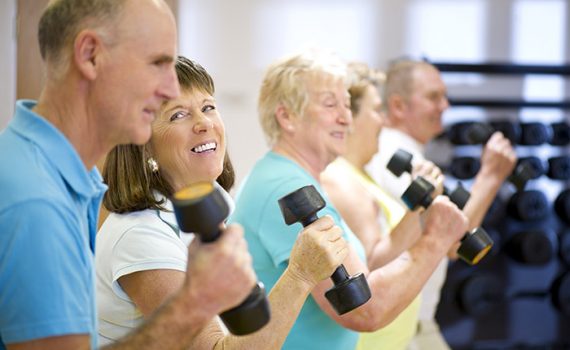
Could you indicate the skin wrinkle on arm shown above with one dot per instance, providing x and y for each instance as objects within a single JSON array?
[
  {"x": 360, "y": 211},
  {"x": 406, "y": 275},
  {"x": 149, "y": 289},
  {"x": 497, "y": 162}
]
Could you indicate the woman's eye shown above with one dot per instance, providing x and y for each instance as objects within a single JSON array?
[
  {"x": 178, "y": 115},
  {"x": 208, "y": 108}
]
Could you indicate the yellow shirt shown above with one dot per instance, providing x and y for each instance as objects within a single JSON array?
[{"x": 400, "y": 331}]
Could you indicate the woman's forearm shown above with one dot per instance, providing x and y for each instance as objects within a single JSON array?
[{"x": 286, "y": 299}]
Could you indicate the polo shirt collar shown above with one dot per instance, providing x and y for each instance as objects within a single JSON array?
[{"x": 58, "y": 150}]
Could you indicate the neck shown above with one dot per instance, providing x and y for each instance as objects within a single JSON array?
[
  {"x": 67, "y": 111},
  {"x": 312, "y": 164},
  {"x": 354, "y": 154}
]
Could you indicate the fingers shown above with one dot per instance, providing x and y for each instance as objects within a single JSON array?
[
  {"x": 499, "y": 156},
  {"x": 322, "y": 223}
]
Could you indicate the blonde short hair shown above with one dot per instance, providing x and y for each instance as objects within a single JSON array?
[
  {"x": 284, "y": 84},
  {"x": 360, "y": 77}
]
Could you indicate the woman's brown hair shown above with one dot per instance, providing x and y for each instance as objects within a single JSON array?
[{"x": 127, "y": 172}]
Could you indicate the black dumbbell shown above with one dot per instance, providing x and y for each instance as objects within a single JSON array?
[
  {"x": 348, "y": 292},
  {"x": 479, "y": 294},
  {"x": 464, "y": 167},
  {"x": 533, "y": 134},
  {"x": 401, "y": 162},
  {"x": 528, "y": 205},
  {"x": 530, "y": 248},
  {"x": 480, "y": 133},
  {"x": 474, "y": 245},
  {"x": 562, "y": 205},
  {"x": 560, "y": 134},
  {"x": 200, "y": 209},
  {"x": 561, "y": 293},
  {"x": 564, "y": 246},
  {"x": 559, "y": 168},
  {"x": 535, "y": 164},
  {"x": 512, "y": 131},
  {"x": 456, "y": 133}
]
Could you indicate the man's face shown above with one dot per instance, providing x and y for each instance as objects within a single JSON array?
[
  {"x": 426, "y": 104},
  {"x": 136, "y": 74}
]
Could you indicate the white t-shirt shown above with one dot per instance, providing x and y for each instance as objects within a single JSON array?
[
  {"x": 390, "y": 141},
  {"x": 128, "y": 243}
]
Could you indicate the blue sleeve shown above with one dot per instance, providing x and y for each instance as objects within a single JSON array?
[
  {"x": 278, "y": 237},
  {"x": 46, "y": 273}
]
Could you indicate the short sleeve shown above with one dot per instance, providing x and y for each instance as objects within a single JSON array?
[
  {"x": 147, "y": 247},
  {"x": 276, "y": 236},
  {"x": 46, "y": 273}
]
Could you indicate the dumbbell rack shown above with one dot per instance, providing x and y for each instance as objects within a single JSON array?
[{"x": 525, "y": 315}]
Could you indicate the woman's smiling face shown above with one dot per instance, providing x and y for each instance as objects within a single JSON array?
[{"x": 188, "y": 139}]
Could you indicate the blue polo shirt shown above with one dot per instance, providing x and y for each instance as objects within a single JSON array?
[{"x": 48, "y": 221}]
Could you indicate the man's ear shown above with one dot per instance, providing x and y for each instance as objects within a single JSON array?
[
  {"x": 86, "y": 48},
  {"x": 285, "y": 119},
  {"x": 396, "y": 106}
]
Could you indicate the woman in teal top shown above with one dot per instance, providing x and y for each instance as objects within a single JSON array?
[{"x": 305, "y": 113}]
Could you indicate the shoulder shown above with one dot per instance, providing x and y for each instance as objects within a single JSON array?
[
  {"x": 30, "y": 177},
  {"x": 116, "y": 225}
]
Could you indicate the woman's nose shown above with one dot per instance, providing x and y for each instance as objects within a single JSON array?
[{"x": 202, "y": 124}]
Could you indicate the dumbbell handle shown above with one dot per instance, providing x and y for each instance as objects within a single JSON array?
[
  {"x": 209, "y": 238},
  {"x": 340, "y": 274}
]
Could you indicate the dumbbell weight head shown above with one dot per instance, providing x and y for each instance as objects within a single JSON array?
[
  {"x": 559, "y": 168},
  {"x": 200, "y": 209},
  {"x": 474, "y": 246},
  {"x": 560, "y": 134},
  {"x": 418, "y": 194},
  {"x": 530, "y": 248},
  {"x": 458, "y": 133},
  {"x": 400, "y": 162},
  {"x": 465, "y": 167},
  {"x": 536, "y": 168},
  {"x": 459, "y": 195},
  {"x": 560, "y": 293},
  {"x": 528, "y": 205},
  {"x": 478, "y": 133},
  {"x": 533, "y": 134},
  {"x": 510, "y": 130},
  {"x": 520, "y": 176},
  {"x": 348, "y": 292},
  {"x": 564, "y": 247},
  {"x": 480, "y": 294},
  {"x": 562, "y": 205},
  {"x": 195, "y": 203},
  {"x": 301, "y": 205}
]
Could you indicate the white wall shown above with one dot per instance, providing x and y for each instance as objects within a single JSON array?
[
  {"x": 236, "y": 40},
  {"x": 7, "y": 60}
]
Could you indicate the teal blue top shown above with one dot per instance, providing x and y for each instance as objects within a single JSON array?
[{"x": 270, "y": 241}]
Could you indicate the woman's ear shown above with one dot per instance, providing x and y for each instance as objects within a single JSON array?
[
  {"x": 285, "y": 119},
  {"x": 86, "y": 48}
]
